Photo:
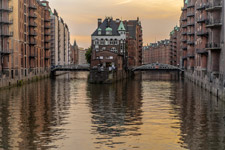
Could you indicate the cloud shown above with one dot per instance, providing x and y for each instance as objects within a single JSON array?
[{"x": 124, "y": 2}]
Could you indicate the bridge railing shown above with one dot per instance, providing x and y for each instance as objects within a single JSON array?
[
  {"x": 70, "y": 66},
  {"x": 156, "y": 66}
]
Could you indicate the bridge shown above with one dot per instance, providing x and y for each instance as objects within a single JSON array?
[
  {"x": 84, "y": 67},
  {"x": 157, "y": 67},
  {"x": 147, "y": 67}
]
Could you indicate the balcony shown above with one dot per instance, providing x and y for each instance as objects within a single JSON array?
[
  {"x": 190, "y": 24},
  {"x": 184, "y": 41},
  {"x": 33, "y": 24},
  {"x": 201, "y": 7},
  {"x": 214, "y": 23},
  {"x": 213, "y": 46},
  {"x": 201, "y": 51},
  {"x": 33, "y": 33},
  {"x": 6, "y": 34},
  {"x": 184, "y": 33},
  {"x": 33, "y": 16},
  {"x": 47, "y": 33},
  {"x": 5, "y": 21},
  {"x": 184, "y": 19},
  {"x": 202, "y": 33},
  {"x": 184, "y": 26},
  {"x": 33, "y": 42},
  {"x": 184, "y": 47},
  {"x": 191, "y": 33},
  {"x": 190, "y": 14},
  {"x": 47, "y": 20},
  {"x": 5, "y": 51},
  {"x": 214, "y": 6},
  {"x": 190, "y": 5},
  {"x": 47, "y": 27},
  {"x": 201, "y": 20},
  {"x": 183, "y": 8},
  {"x": 191, "y": 55},
  {"x": 32, "y": 7},
  {"x": 6, "y": 9},
  {"x": 33, "y": 56},
  {"x": 47, "y": 57},
  {"x": 189, "y": 42}
]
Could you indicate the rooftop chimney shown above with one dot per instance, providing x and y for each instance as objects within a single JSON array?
[{"x": 99, "y": 22}]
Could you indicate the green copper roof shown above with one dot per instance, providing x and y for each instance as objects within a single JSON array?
[
  {"x": 108, "y": 29},
  {"x": 99, "y": 29},
  {"x": 121, "y": 27}
]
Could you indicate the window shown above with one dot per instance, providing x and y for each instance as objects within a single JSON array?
[
  {"x": 111, "y": 42},
  {"x": 113, "y": 49},
  {"x": 101, "y": 57},
  {"x": 102, "y": 42}
]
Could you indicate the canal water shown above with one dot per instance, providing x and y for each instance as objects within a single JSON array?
[{"x": 150, "y": 112}]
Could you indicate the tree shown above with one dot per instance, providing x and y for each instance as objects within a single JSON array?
[{"x": 88, "y": 55}]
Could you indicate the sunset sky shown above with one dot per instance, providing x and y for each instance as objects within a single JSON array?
[{"x": 158, "y": 17}]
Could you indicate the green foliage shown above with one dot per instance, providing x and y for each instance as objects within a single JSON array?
[{"x": 88, "y": 55}]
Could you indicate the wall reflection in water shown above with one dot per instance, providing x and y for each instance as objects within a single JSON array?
[
  {"x": 116, "y": 113},
  {"x": 30, "y": 115},
  {"x": 141, "y": 113},
  {"x": 202, "y": 117}
]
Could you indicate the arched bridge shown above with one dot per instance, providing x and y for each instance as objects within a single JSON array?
[
  {"x": 84, "y": 67},
  {"x": 157, "y": 67}
]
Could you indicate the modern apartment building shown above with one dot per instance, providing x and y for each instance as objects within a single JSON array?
[{"x": 60, "y": 41}]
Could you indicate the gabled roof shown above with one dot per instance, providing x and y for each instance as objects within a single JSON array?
[
  {"x": 107, "y": 23},
  {"x": 121, "y": 27}
]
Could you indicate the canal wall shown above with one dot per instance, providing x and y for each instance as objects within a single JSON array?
[
  {"x": 6, "y": 82},
  {"x": 107, "y": 77},
  {"x": 207, "y": 82}
]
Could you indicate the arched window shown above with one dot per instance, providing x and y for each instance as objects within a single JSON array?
[
  {"x": 102, "y": 42},
  {"x": 111, "y": 41}
]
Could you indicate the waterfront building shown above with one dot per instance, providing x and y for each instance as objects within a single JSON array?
[
  {"x": 119, "y": 41},
  {"x": 74, "y": 53},
  {"x": 203, "y": 58},
  {"x": 60, "y": 41},
  {"x": 28, "y": 53},
  {"x": 159, "y": 52},
  {"x": 109, "y": 44},
  {"x": 26, "y": 39},
  {"x": 81, "y": 56},
  {"x": 175, "y": 39},
  {"x": 134, "y": 42},
  {"x": 204, "y": 37}
]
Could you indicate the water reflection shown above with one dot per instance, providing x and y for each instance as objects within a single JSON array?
[
  {"x": 202, "y": 118},
  {"x": 116, "y": 112},
  {"x": 147, "y": 112}
]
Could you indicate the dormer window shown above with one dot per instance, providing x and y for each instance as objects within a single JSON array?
[
  {"x": 99, "y": 31},
  {"x": 108, "y": 31}
]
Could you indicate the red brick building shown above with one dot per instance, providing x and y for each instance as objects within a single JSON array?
[
  {"x": 157, "y": 52},
  {"x": 117, "y": 37},
  {"x": 74, "y": 53},
  {"x": 175, "y": 46},
  {"x": 134, "y": 42}
]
